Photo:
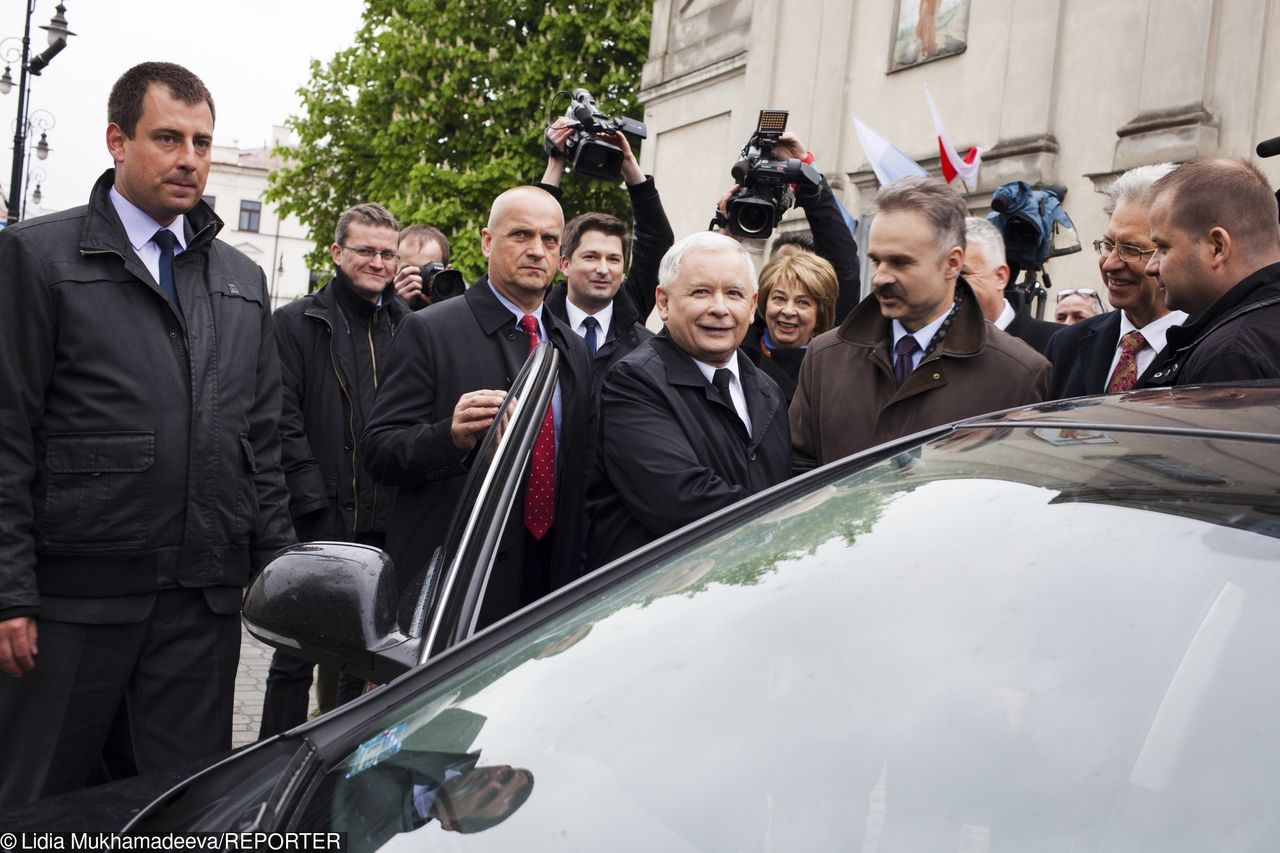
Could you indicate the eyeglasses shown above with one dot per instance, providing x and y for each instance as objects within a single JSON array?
[
  {"x": 1086, "y": 292},
  {"x": 368, "y": 254},
  {"x": 1128, "y": 254}
]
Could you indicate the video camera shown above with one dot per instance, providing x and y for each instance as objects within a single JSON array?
[
  {"x": 440, "y": 283},
  {"x": 1030, "y": 220},
  {"x": 765, "y": 182},
  {"x": 586, "y": 152}
]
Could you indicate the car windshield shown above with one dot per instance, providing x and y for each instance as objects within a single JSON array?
[{"x": 1004, "y": 640}]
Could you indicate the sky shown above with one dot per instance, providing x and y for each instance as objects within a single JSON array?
[{"x": 252, "y": 54}]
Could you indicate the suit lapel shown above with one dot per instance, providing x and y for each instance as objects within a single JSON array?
[
  {"x": 1096, "y": 352},
  {"x": 762, "y": 402}
]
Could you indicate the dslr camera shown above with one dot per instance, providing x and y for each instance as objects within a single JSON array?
[
  {"x": 765, "y": 182},
  {"x": 586, "y": 152},
  {"x": 439, "y": 283}
]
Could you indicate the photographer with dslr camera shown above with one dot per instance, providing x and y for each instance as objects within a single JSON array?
[
  {"x": 425, "y": 275},
  {"x": 800, "y": 305},
  {"x": 606, "y": 308}
]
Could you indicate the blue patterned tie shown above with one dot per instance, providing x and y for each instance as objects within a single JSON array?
[
  {"x": 905, "y": 349},
  {"x": 167, "y": 242},
  {"x": 591, "y": 325}
]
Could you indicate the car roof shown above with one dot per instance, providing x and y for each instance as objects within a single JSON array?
[{"x": 1245, "y": 410}]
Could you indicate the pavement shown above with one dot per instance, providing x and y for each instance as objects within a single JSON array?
[{"x": 251, "y": 686}]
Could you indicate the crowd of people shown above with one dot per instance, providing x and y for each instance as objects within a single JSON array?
[{"x": 165, "y": 434}]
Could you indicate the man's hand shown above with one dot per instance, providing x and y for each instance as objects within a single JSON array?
[
  {"x": 472, "y": 416},
  {"x": 631, "y": 171},
  {"x": 789, "y": 147},
  {"x": 408, "y": 283},
  {"x": 559, "y": 132},
  {"x": 18, "y": 645}
]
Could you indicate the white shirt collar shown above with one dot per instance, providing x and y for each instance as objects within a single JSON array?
[
  {"x": 140, "y": 227},
  {"x": 923, "y": 335},
  {"x": 736, "y": 391},
  {"x": 1155, "y": 332},
  {"x": 1006, "y": 316},
  {"x": 576, "y": 315}
]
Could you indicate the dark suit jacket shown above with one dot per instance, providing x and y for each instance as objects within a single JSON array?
[
  {"x": 440, "y": 353},
  {"x": 1034, "y": 332},
  {"x": 671, "y": 451},
  {"x": 1081, "y": 355}
]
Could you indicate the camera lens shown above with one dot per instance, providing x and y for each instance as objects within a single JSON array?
[{"x": 754, "y": 218}]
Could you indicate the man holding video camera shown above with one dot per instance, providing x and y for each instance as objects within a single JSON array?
[{"x": 604, "y": 307}]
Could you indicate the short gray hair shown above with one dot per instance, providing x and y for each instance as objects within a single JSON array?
[
  {"x": 980, "y": 231},
  {"x": 1134, "y": 185},
  {"x": 941, "y": 206},
  {"x": 371, "y": 213},
  {"x": 701, "y": 241}
]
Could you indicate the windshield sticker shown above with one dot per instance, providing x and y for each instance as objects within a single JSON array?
[{"x": 377, "y": 748}]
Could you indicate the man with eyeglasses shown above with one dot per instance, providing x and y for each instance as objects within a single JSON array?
[
  {"x": 1213, "y": 223},
  {"x": 1109, "y": 353},
  {"x": 1080, "y": 303},
  {"x": 334, "y": 347}
]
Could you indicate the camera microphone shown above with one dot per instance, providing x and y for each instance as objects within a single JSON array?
[{"x": 1268, "y": 147}]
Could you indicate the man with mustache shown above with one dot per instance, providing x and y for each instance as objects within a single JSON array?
[
  {"x": 140, "y": 478},
  {"x": 451, "y": 366},
  {"x": 915, "y": 353},
  {"x": 1107, "y": 353},
  {"x": 688, "y": 425}
]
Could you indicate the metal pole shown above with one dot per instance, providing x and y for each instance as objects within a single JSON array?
[{"x": 16, "y": 187}]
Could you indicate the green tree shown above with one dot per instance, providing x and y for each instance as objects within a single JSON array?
[{"x": 440, "y": 105}]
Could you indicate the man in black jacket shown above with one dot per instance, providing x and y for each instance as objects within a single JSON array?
[
  {"x": 334, "y": 345},
  {"x": 1217, "y": 255},
  {"x": 605, "y": 308},
  {"x": 140, "y": 479},
  {"x": 451, "y": 365},
  {"x": 687, "y": 424},
  {"x": 1108, "y": 353}
]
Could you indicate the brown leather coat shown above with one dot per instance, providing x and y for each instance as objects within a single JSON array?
[{"x": 847, "y": 399}]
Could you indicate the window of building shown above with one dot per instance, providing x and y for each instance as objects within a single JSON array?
[
  {"x": 250, "y": 215},
  {"x": 209, "y": 200}
]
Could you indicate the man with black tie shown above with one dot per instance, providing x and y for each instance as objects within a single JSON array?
[
  {"x": 451, "y": 365},
  {"x": 687, "y": 424},
  {"x": 606, "y": 308},
  {"x": 140, "y": 477},
  {"x": 1107, "y": 353},
  {"x": 987, "y": 272}
]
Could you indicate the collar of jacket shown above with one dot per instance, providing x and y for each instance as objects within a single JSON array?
[
  {"x": 625, "y": 312},
  {"x": 680, "y": 367},
  {"x": 866, "y": 327},
  {"x": 104, "y": 232},
  {"x": 324, "y": 302},
  {"x": 492, "y": 315},
  {"x": 1239, "y": 299}
]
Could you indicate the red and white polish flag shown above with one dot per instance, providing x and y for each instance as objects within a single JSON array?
[{"x": 952, "y": 163}]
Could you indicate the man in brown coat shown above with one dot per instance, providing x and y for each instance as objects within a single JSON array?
[{"x": 915, "y": 353}]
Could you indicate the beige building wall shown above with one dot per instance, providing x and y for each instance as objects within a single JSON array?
[
  {"x": 280, "y": 245},
  {"x": 1066, "y": 92}
]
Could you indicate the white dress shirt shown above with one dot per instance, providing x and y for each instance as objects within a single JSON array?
[
  {"x": 576, "y": 315},
  {"x": 736, "y": 393},
  {"x": 140, "y": 228},
  {"x": 1154, "y": 333},
  {"x": 1006, "y": 317},
  {"x": 923, "y": 336}
]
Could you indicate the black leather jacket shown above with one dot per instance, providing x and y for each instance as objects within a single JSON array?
[{"x": 139, "y": 448}]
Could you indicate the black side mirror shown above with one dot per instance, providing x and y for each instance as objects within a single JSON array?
[{"x": 335, "y": 604}]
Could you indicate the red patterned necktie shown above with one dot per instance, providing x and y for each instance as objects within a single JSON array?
[
  {"x": 540, "y": 496},
  {"x": 1126, "y": 372}
]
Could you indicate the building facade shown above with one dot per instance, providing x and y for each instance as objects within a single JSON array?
[
  {"x": 236, "y": 187},
  {"x": 1067, "y": 92}
]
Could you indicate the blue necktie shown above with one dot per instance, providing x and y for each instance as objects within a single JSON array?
[
  {"x": 591, "y": 325},
  {"x": 905, "y": 349},
  {"x": 167, "y": 242}
]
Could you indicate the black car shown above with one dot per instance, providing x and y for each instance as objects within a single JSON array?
[{"x": 1043, "y": 630}]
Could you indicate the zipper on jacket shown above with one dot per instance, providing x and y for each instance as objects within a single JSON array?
[
  {"x": 351, "y": 427},
  {"x": 373, "y": 360}
]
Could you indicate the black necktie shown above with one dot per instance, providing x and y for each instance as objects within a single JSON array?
[
  {"x": 905, "y": 349},
  {"x": 720, "y": 379},
  {"x": 167, "y": 242},
  {"x": 591, "y": 325}
]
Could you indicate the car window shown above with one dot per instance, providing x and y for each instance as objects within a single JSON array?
[{"x": 1008, "y": 639}]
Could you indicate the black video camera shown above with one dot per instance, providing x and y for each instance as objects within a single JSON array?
[
  {"x": 765, "y": 182},
  {"x": 440, "y": 283},
  {"x": 586, "y": 152}
]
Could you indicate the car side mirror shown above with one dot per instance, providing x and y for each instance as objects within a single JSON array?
[{"x": 335, "y": 604}]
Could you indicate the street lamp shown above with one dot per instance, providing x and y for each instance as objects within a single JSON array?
[
  {"x": 37, "y": 174},
  {"x": 29, "y": 66}
]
